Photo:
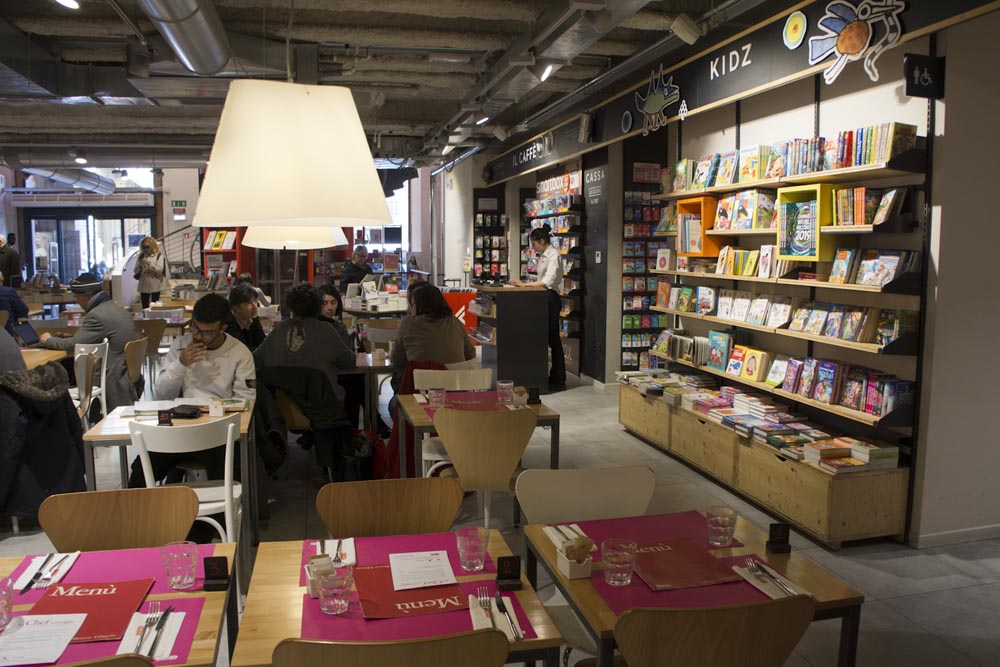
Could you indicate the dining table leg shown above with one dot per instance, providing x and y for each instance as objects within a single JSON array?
[
  {"x": 554, "y": 446},
  {"x": 531, "y": 566},
  {"x": 605, "y": 652},
  {"x": 88, "y": 465},
  {"x": 850, "y": 627},
  {"x": 401, "y": 441},
  {"x": 123, "y": 465}
]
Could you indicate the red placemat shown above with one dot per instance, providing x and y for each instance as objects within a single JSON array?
[
  {"x": 637, "y": 594},
  {"x": 122, "y": 565},
  {"x": 376, "y": 550},
  {"x": 352, "y": 626},
  {"x": 192, "y": 608},
  {"x": 651, "y": 528}
]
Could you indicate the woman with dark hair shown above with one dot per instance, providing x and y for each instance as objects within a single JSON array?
[
  {"x": 430, "y": 332},
  {"x": 247, "y": 279},
  {"x": 304, "y": 341},
  {"x": 550, "y": 275},
  {"x": 331, "y": 311}
]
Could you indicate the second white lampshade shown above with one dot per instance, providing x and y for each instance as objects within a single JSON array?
[{"x": 294, "y": 238}]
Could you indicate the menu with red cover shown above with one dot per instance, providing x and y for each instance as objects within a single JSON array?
[
  {"x": 673, "y": 564},
  {"x": 379, "y": 599},
  {"x": 109, "y": 606}
]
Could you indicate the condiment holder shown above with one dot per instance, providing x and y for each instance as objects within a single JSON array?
[
  {"x": 312, "y": 587},
  {"x": 573, "y": 558}
]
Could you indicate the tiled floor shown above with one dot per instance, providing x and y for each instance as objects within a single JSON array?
[{"x": 931, "y": 607}]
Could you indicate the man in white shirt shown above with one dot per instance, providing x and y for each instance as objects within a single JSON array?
[{"x": 204, "y": 363}]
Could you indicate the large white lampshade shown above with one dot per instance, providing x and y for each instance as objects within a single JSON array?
[
  {"x": 294, "y": 238},
  {"x": 290, "y": 154}
]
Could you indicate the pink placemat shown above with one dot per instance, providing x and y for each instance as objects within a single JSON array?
[
  {"x": 123, "y": 565},
  {"x": 352, "y": 626},
  {"x": 376, "y": 550},
  {"x": 637, "y": 594},
  {"x": 478, "y": 401},
  {"x": 191, "y": 607},
  {"x": 651, "y": 528}
]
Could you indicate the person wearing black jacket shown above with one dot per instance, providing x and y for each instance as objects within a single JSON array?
[
  {"x": 41, "y": 442},
  {"x": 243, "y": 324},
  {"x": 356, "y": 269}
]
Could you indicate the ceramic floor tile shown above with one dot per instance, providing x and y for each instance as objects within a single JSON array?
[
  {"x": 977, "y": 559},
  {"x": 887, "y": 639},
  {"x": 964, "y": 618}
]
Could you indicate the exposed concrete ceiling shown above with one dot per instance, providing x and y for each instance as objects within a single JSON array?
[{"x": 387, "y": 51}]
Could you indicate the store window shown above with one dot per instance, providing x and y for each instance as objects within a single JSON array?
[{"x": 68, "y": 243}]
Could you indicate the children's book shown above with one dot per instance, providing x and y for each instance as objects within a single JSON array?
[
  {"x": 705, "y": 297},
  {"x": 754, "y": 365},
  {"x": 719, "y": 344},
  {"x": 744, "y": 210},
  {"x": 840, "y": 271},
  {"x": 800, "y": 316},
  {"x": 683, "y": 173},
  {"x": 776, "y": 163},
  {"x": 834, "y": 322},
  {"x": 750, "y": 168},
  {"x": 685, "y": 300},
  {"x": 792, "y": 372},
  {"x": 704, "y": 172},
  {"x": 724, "y": 212},
  {"x": 807, "y": 378},
  {"x": 759, "y": 310},
  {"x": 663, "y": 294},
  {"x": 764, "y": 209},
  {"x": 735, "y": 365},
  {"x": 765, "y": 265},
  {"x": 720, "y": 263},
  {"x": 817, "y": 319},
  {"x": 776, "y": 374},
  {"x": 827, "y": 373},
  {"x": 853, "y": 394},
  {"x": 727, "y": 168},
  {"x": 675, "y": 296},
  {"x": 798, "y": 229},
  {"x": 850, "y": 324},
  {"x": 750, "y": 265},
  {"x": 741, "y": 306},
  {"x": 780, "y": 311},
  {"x": 725, "y": 309}
]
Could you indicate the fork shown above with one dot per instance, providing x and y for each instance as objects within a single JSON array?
[
  {"x": 486, "y": 602},
  {"x": 47, "y": 577},
  {"x": 152, "y": 617},
  {"x": 758, "y": 570}
]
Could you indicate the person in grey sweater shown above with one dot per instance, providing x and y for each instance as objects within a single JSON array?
[
  {"x": 305, "y": 341},
  {"x": 103, "y": 318},
  {"x": 430, "y": 332}
]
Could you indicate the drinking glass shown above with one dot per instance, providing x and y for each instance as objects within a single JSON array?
[
  {"x": 6, "y": 601},
  {"x": 436, "y": 398},
  {"x": 179, "y": 560},
  {"x": 721, "y": 520},
  {"x": 472, "y": 541},
  {"x": 618, "y": 556},
  {"x": 334, "y": 582},
  {"x": 505, "y": 392}
]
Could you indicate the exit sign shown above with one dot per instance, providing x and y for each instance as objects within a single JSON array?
[{"x": 179, "y": 203}]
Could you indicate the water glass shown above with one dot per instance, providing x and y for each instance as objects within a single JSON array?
[
  {"x": 436, "y": 398},
  {"x": 179, "y": 561},
  {"x": 721, "y": 520},
  {"x": 472, "y": 543},
  {"x": 505, "y": 392},
  {"x": 6, "y": 601},
  {"x": 618, "y": 556},
  {"x": 334, "y": 584}
]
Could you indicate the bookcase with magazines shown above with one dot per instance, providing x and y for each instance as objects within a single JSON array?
[{"x": 790, "y": 370}]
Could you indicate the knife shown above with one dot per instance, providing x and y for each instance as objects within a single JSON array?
[
  {"x": 779, "y": 582},
  {"x": 503, "y": 608},
  {"x": 38, "y": 575},
  {"x": 566, "y": 538},
  {"x": 159, "y": 630}
]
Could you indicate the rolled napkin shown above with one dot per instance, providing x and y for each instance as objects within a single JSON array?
[
  {"x": 347, "y": 554},
  {"x": 571, "y": 529},
  {"x": 480, "y": 621},
  {"x": 59, "y": 565},
  {"x": 767, "y": 586}
]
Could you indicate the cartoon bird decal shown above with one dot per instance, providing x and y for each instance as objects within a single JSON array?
[{"x": 848, "y": 33}]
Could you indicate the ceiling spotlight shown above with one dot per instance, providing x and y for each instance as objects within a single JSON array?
[
  {"x": 78, "y": 156},
  {"x": 447, "y": 149},
  {"x": 500, "y": 133},
  {"x": 483, "y": 120},
  {"x": 547, "y": 73},
  {"x": 686, "y": 29},
  {"x": 71, "y": 4}
]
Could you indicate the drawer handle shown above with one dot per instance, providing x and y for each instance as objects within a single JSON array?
[
  {"x": 782, "y": 459},
  {"x": 702, "y": 421}
]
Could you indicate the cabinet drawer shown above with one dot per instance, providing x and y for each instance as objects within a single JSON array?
[
  {"x": 649, "y": 417},
  {"x": 706, "y": 444},
  {"x": 798, "y": 491}
]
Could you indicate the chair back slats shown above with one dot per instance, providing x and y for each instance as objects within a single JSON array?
[
  {"x": 389, "y": 507},
  {"x": 485, "y": 447},
  {"x": 585, "y": 494}
]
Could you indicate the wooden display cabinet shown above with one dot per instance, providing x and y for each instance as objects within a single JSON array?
[
  {"x": 822, "y": 249},
  {"x": 705, "y": 207}
]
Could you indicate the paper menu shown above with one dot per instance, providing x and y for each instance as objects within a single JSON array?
[
  {"x": 420, "y": 569},
  {"x": 41, "y": 639}
]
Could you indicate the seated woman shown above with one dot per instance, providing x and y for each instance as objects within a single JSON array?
[
  {"x": 430, "y": 332},
  {"x": 354, "y": 384}
]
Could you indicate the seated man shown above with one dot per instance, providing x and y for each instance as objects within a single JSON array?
[
  {"x": 103, "y": 318},
  {"x": 11, "y": 301},
  {"x": 11, "y": 358},
  {"x": 204, "y": 363},
  {"x": 243, "y": 323}
]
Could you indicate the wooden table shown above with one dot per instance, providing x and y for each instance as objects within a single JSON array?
[
  {"x": 273, "y": 608},
  {"x": 39, "y": 356},
  {"x": 833, "y": 598},
  {"x": 375, "y": 314},
  {"x": 219, "y": 606},
  {"x": 408, "y": 411},
  {"x": 112, "y": 431}
]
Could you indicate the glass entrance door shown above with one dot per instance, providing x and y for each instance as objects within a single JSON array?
[{"x": 276, "y": 273}]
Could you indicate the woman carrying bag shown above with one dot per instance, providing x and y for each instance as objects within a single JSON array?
[{"x": 150, "y": 271}]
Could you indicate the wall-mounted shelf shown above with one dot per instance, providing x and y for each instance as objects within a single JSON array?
[{"x": 742, "y": 232}]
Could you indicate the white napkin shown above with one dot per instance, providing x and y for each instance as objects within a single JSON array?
[
  {"x": 347, "y": 554},
  {"x": 36, "y": 563},
  {"x": 569, "y": 529},
  {"x": 165, "y": 649},
  {"x": 481, "y": 621},
  {"x": 420, "y": 398},
  {"x": 766, "y": 586}
]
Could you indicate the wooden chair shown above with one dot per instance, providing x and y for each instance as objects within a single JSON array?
[
  {"x": 214, "y": 496},
  {"x": 84, "y": 368},
  {"x": 4, "y": 316},
  {"x": 389, "y": 507},
  {"x": 135, "y": 351},
  {"x": 489, "y": 648},
  {"x": 100, "y": 351},
  {"x": 294, "y": 419},
  {"x": 556, "y": 496},
  {"x": 485, "y": 447},
  {"x": 126, "y": 660},
  {"x": 753, "y": 635},
  {"x": 152, "y": 331},
  {"x": 459, "y": 379},
  {"x": 119, "y": 519}
]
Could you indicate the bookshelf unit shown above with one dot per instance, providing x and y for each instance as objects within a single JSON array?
[
  {"x": 704, "y": 207},
  {"x": 489, "y": 238},
  {"x": 214, "y": 254}
]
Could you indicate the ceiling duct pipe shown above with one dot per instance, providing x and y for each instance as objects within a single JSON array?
[
  {"x": 77, "y": 178},
  {"x": 112, "y": 158},
  {"x": 193, "y": 30}
]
